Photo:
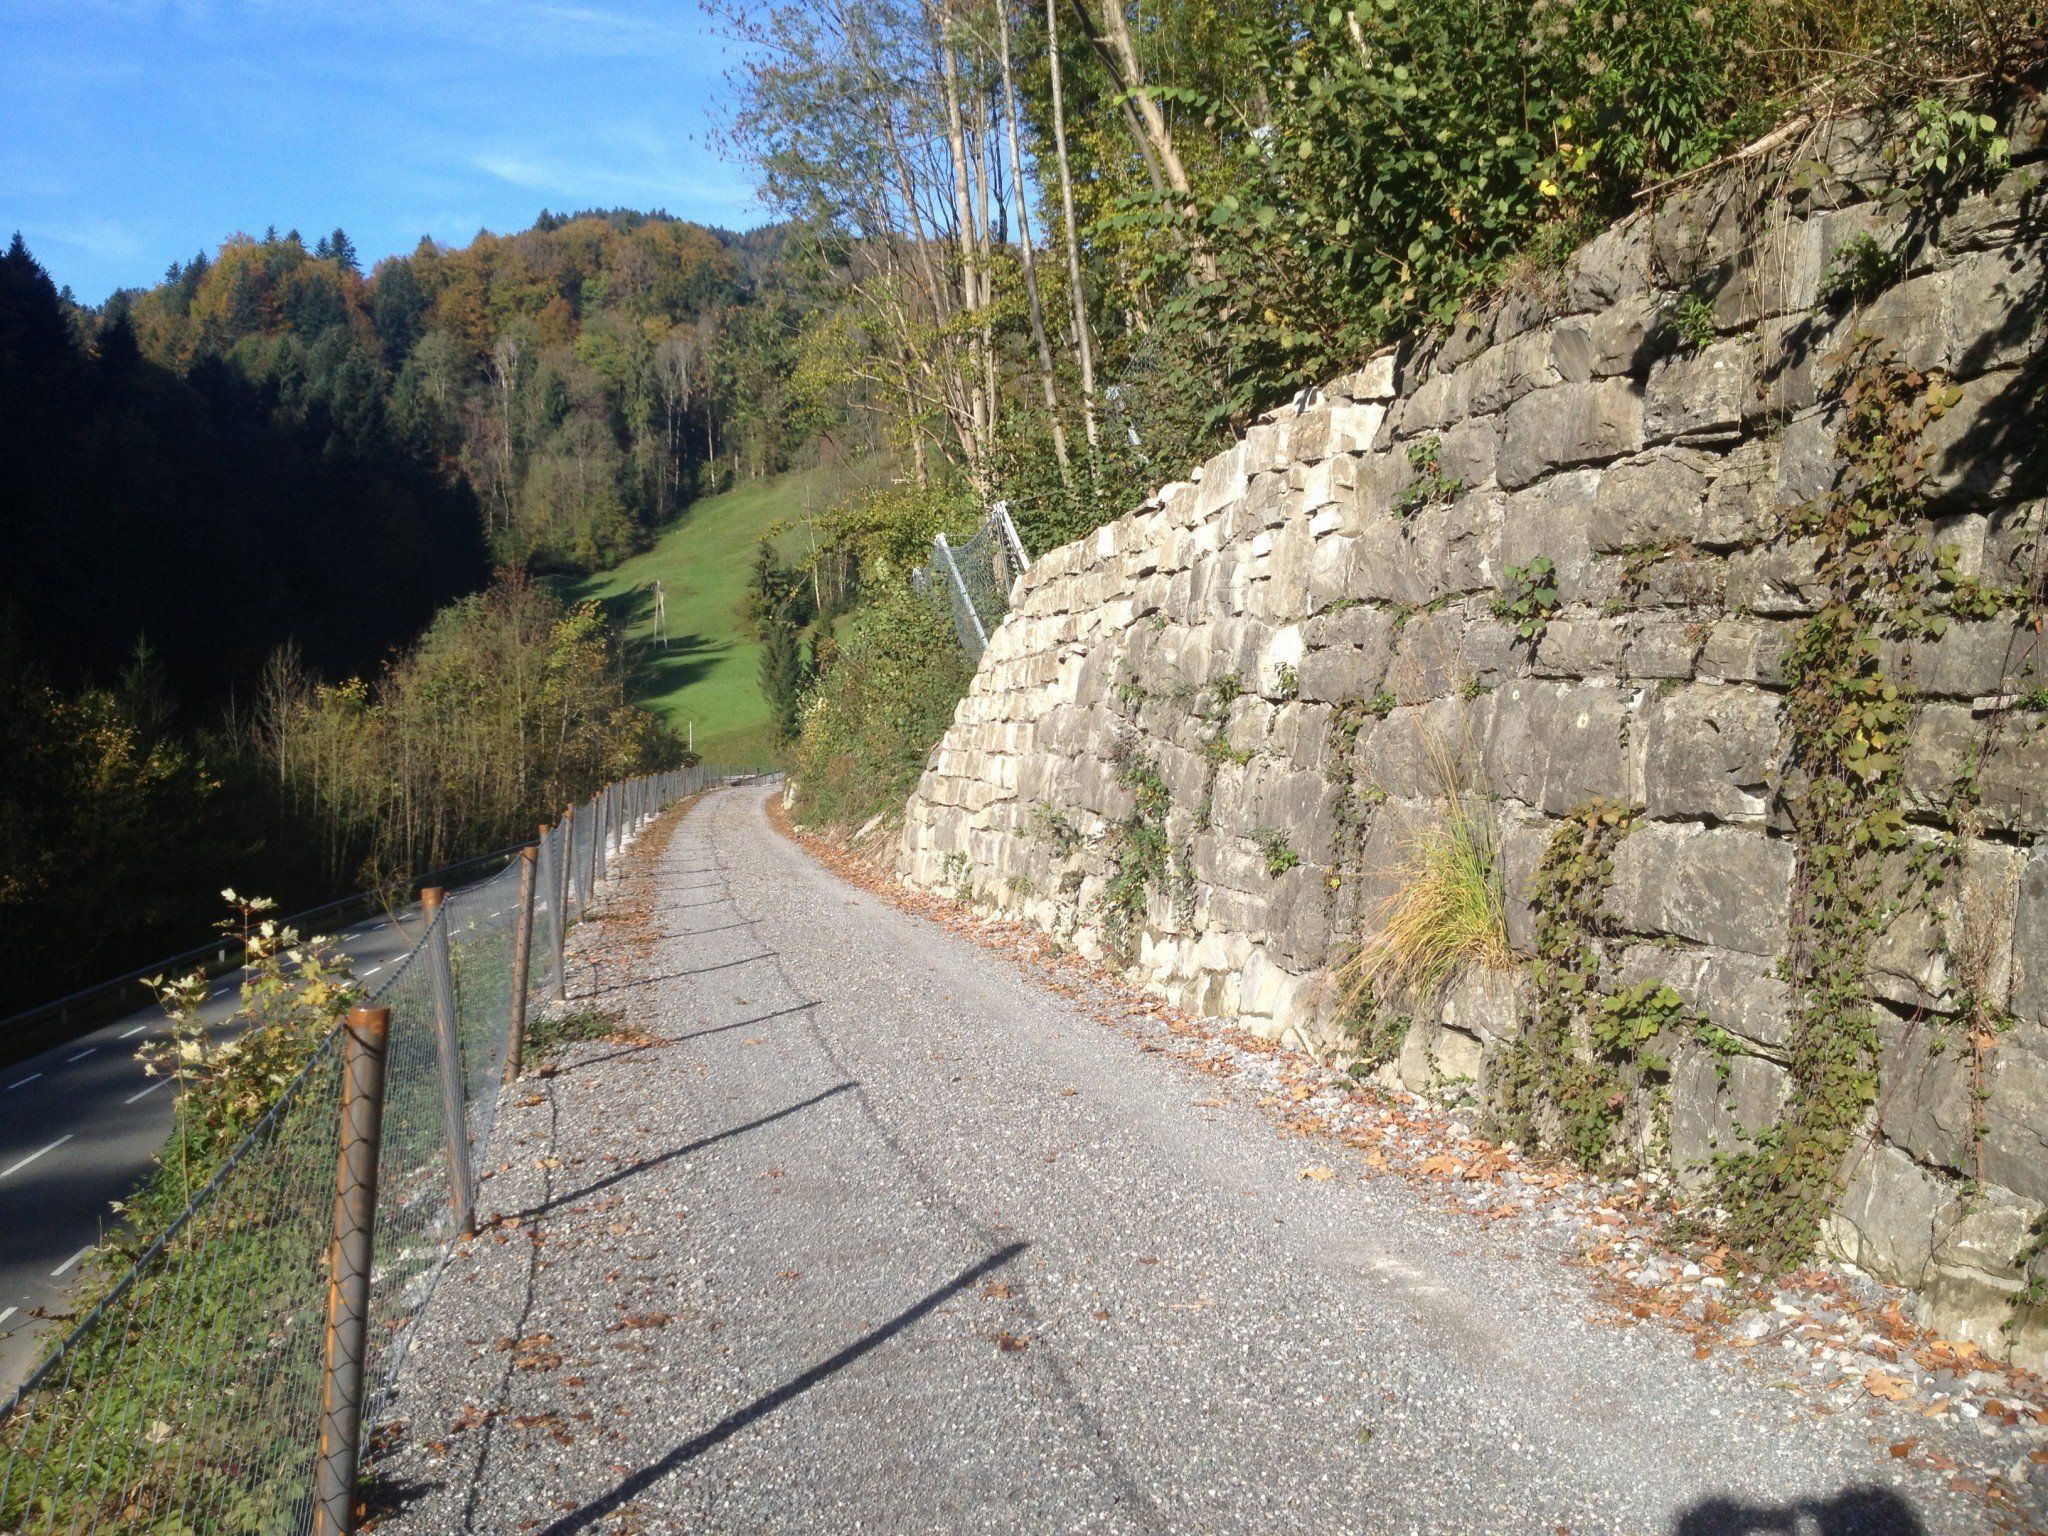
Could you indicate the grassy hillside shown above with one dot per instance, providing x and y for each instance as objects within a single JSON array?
[{"x": 710, "y": 673}]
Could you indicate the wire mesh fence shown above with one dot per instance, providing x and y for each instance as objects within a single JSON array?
[
  {"x": 188, "y": 1397},
  {"x": 973, "y": 579}
]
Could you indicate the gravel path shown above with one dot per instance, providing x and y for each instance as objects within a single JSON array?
[{"x": 854, "y": 1228}]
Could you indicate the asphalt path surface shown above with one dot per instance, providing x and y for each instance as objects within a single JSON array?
[
  {"x": 78, "y": 1127},
  {"x": 856, "y": 1227}
]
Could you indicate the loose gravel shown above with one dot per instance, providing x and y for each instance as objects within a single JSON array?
[{"x": 853, "y": 1226}]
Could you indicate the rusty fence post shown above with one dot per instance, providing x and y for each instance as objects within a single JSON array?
[
  {"x": 448, "y": 1049},
  {"x": 522, "y": 959},
  {"x": 364, "y": 1038}
]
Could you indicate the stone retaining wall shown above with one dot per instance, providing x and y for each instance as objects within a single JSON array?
[{"x": 1206, "y": 734}]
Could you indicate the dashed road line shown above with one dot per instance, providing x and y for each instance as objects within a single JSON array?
[
  {"x": 9, "y": 1312},
  {"x": 152, "y": 1088},
  {"x": 81, "y": 1055},
  {"x": 22, "y": 1082},
  {"x": 53, "y": 1146},
  {"x": 59, "y": 1270},
  {"x": 129, "y": 1034}
]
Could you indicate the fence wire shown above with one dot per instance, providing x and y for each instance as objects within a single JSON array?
[
  {"x": 972, "y": 579},
  {"x": 187, "y": 1398}
]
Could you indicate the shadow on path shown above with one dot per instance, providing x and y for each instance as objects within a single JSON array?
[
  {"x": 632, "y": 1487},
  {"x": 622, "y": 1174},
  {"x": 1852, "y": 1512}
]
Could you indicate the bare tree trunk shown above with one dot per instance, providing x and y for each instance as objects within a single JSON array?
[
  {"x": 1084, "y": 349},
  {"x": 963, "y": 215},
  {"x": 1045, "y": 376},
  {"x": 1131, "y": 75}
]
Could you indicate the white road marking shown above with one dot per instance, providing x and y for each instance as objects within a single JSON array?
[
  {"x": 23, "y": 1082},
  {"x": 152, "y": 1088},
  {"x": 53, "y": 1146},
  {"x": 72, "y": 1260},
  {"x": 81, "y": 1055},
  {"x": 7, "y": 1314},
  {"x": 128, "y": 1034},
  {"x": 372, "y": 970}
]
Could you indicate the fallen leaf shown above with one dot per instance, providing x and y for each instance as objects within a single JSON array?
[
  {"x": 1010, "y": 1344},
  {"x": 1890, "y": 1388},
  {"x": 995, "y": 1290},
  {"x": 1901, "y": 1449},
  {"x": 1318, "y": 1173},
  {"x": 786, "y": 1274}
]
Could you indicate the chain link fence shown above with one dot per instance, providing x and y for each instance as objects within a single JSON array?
[
  {"x": 203, "y": 1388},
  {"x": 973, "y": 579}
]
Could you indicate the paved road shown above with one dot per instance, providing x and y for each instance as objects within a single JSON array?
[
  {"x": 78, "y": 1126},
  {"x": 864, "y": 1231}
]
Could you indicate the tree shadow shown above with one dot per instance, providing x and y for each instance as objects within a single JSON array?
[
  {"x": 619, "y": 1176},
  {"x": 632, "y": 1487},
  {"x": 1866, "y": 1511}
]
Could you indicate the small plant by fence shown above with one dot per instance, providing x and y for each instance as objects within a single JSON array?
[
  {"x": 973, "y": 579},
  {"x": 225, "y": 1381}
]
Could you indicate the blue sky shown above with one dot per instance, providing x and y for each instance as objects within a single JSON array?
[{"x": 135, "y": 132}]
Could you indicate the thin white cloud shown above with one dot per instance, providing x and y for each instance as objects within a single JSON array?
[
  {"x": 591, "y": 181},
  {"x": 96, "y": 237}
]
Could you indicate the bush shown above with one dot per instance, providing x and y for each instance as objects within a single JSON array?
[{"x": 882, "y": 701}]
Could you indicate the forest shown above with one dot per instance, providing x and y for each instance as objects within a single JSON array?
[{"x": 250, "y": 630}]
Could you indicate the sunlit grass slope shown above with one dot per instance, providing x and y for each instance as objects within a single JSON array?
[{"x": 710, "y": 673}]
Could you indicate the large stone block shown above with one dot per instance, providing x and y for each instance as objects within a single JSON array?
[
  {"x": 1705, "y": 393},
  {"x": 1713, "y": 1118},
  {"x": 1889, "y": 1213},
  {"x": 2030, "y": 941},
  {"x": 2015, "y": 1145},
  {"x": 1708, "y": 752},
  {"x": 1569, "y": 425},
  {"x": 1989, "y": 446},
  {"x": 1553, "y": 521},
  {"x": 1726, "y": 886},
  {"x": 1743, "y": 994},
  {"x": 1556, "y": 746},
  {"x": 1649, "y": 501},
  {"x": 2009, "y": 766},
  {"x": 1621, "y": 339}
]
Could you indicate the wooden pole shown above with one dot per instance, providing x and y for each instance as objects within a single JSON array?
[
  {"x": 364, "y": 1039},
  {"x": 522, "y": 959}
]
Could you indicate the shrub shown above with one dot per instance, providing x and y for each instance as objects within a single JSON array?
[{"x": 882, "y": 701}]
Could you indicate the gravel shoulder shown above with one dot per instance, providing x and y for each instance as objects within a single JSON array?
[{"x": 855, "y": 1226}]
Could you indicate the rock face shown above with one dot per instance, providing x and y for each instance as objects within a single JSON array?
[{"x": 1208, "y": 735}]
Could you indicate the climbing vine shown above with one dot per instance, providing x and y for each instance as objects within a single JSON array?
[
  {"x": 1590, "y": 1048},
  {"x": 1142, "y": 858},
  {"x": 1847, "y": 723}
]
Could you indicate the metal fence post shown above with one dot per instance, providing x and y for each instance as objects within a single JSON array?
[
  {"x": 550, "y": 872},
  {"x": 522, "y": 959},
  {"x": 448, "y": 1048},
  {"x": 595, "y": 872},
  {"x": 348, "y": 1278}
]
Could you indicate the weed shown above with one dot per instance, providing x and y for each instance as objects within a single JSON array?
[
  {"x": 1528, "y": 597},
  {"x": 1279, "y": 853},
  {"x": 550, "y": 1034},
  {"x": 1430, "y": 484},
  {"x": 1694, "y": 322},
  {"x": 1860, "y": 271}
]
